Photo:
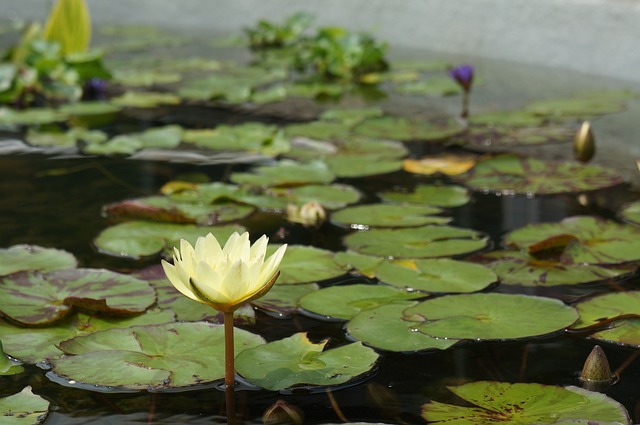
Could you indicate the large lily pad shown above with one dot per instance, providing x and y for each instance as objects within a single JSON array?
[
  {"x": 351, "y": 116},
  {"x": 501, "y": 137},
  {"x": 423, "y": 194},
  {"x": 251, "y": 137},
  {"x": 583, "y": 105},
  {"x": 432, "y": 86},
  {"x": 297, "y": 361},
  {"x": 622, "y": 332},
  {"x": 586, "y": 240},
  {"x": 305, "y": 264},
  {"x": 511, "y": 174},
  {"x": 386, "y": 328},
  {"x": 145, "y": 99},
  {"x": 346, "y": 301},
  {"x": 137, "y": 239},
  {"x": 519, "y": 268},
  {"x": 631, "y": 213},
  {"x": 283, "y": 300},
  {"x": 388, "y": 215},
  {"x": 607, "y": 307},
  {"x": 23, "y": 408},
  {"x": 31, "y": 257},
  {"x": 436, "y": 275},
  {"x": 321, "y": 130},
  {"x": 418, "y": 242},
  {"x": 286, "y": 173},
  {"x": 401, "y": 128},
  {"x": 491, "y": 316},
  {"x": 523, "y": 404},
  {"x": 361, "y": 165},
  {"x": 34, "y": 298},
  {"x": 153, "y": 357},
  {"x": 31, "y": 116},
  {"x": 329, "y": 196},
  {"x": 363, "y": 264},
  {"x": 160, "y": 137}
]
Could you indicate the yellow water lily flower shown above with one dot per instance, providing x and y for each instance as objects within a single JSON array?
[{"x": 224, "y": 278}]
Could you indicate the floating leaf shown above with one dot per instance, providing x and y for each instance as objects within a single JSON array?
[
  {"x": 524, "y": 403},
  {"x": 596, "y": 241},
  {"x": 631, "y": 213},
  {"x": 512, "y": 174},
  {"x": 388, "y": 215},
  {"x": 606, "y": 307},
  {"x": 88, "y": 108},
  {"x": 145, "y": 99},
  {"x": 364, "y": 264},
  {"x": 419, "y": 242},
  {"x": 361, "y": 165},
  {"x": 322, "y": 130},
  {"x": 386, "y": 328},
  {"x": 153, "y": 357},
  {"x": 23, "y": 408},
  {"x": 438, "y": 196},
  {"x": 450, "y": 165},
  {"x": 34, "y": 298},
  {"x": 304, "y": 264},
  {"x": 351, "y": 116},
  {"x": 285, "y": 173},
  {"x": 296, "y": 361},
  {"x": 136, "y": 239},
  {"x": 329, "y": 196},
  {"x": 502, "y": 137},
  {"x": 283, "y": 300},
  {"x": 31, "y": 116},
  {"x": 9, "y": 366},
  {"x": 491, "y": 316},
  {"x": 251, "y": 137},
  {"x": 32, "y": 257},
  {"x": 436, "y": 275},
  {"x": 519, "y": 268},
  {"x": 581, "y": 106},
  {"x": 622, "y": 332},
  {"x": 501, "y": 119},
  {"x": 346, "y": 301},
  {"x": 400, "y": 128},
  {"x": 139, "y": 78},
  {"x": 431, "y": 86}
]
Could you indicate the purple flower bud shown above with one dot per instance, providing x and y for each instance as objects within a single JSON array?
[
  {"x": 94, "y": 89},
  {"x": 463, "y": 74}
]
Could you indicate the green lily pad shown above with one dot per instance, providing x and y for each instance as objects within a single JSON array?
[
  {"x": 283, "y": 300},
  {"x": 401, "y": 128},
  {"x": 67, "y": 139},
  {"x": 296, "y": 361},
  {"x": 511, "y": 118},
  {"x": 153, "y": 357},
  {"x": 285, "y": 173},
  {"x": 604, "y": 308},
  {"x": 251, "y": 137},
  {"x": 364, "y": 264},
  {"x": 305, "y": 264},
  {"x": 590, "y": 240},
  {"x": 631, "y": 213},
  {"x": 19, "y": 258},
  {"x": 35, "y": 345},
  {"x": 346, "y": 301},
  {"x": 322, "y": 130},
  {"x": 314, "y": 90},
  {"x": 23, "y": 408},
  {"x": 431, "y": 86},
  {"x": 331, "y": 197},
  {"x": 162, "y": 208},
  {"x": 137, "y": 239},
  {"x": 138, "y": 78},
  {"x": 581, "y": 106},
  {"x": 525, "y": 403},
  {"x": 388, "y": 215},
  {"x": 418, "y": 242},
  {"x": 436, "y": 275},
  {"x": 491, "y": 316},
  {"x": 622, "y": 332},
  {"x": 438, "y": 196},
  {"x": 362, "y": 165},
  {"x": 133, "y": 99},
  {"x": 166, "y": 137},
  {"x": 32, "y": 116},
  {"x": 502, "y": 137},
  {"x": 275, "y": 93},
  {"x": 9, "y": 366},
  {"x": 512, "y": 174},
  {"x": 89, "y": 108},
  {"x": 59, "y": 291},
  {"x": 519, "y": 268},
  {"x": 351, "y": 116},
  {"x": 386, "y": 328}
]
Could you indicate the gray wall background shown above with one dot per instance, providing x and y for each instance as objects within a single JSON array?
[{"x": 597, "y": 37}]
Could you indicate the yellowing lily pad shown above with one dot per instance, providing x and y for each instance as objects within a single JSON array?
[
  {"x": 592, "y": 240},
  {"x": 137, "y": 239},
  {"x": 436, "y": 275},
  {"x": 511, "y": 174},
  {"x": 19, "y": 258},
  {"x": 346, "y": 301},
  {"x": 386, "y": 328},
  {"x": 152, "y": 357},
  {"x": 450, "y": 165},
  {"x": 491, "y": 316},
  {"x": 524, "y": 404},
  {"x": 296, "y": 361},
  {"x": 437, "y": 195},
  {"x": 604, "y": 308},
  {"x": 388, "y": 215},
  {"x": 23, "y": 408},
  {"x": 418, "y": 242}
]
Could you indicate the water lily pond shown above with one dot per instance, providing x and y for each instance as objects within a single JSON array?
[{"x": 440, "y": 268}]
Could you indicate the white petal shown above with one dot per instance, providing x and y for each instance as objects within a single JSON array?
[
  {"x": 176, "y": 281},
  {"x": 208, "y": 249},
  {"x": 209, "y": 283},
  {"x": 259, "y": 248},
  {"x": 238, "y": 247},
  {"x": 272, "y": 264},
  {"x": 234, "y": 283}
]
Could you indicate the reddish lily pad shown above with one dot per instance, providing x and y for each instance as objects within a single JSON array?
[
  {"x": 31, "y": 257},
  {"x": 152, "y": 357},
  {"x": 511, "y": 174},
  {"x": 438, "y": 196},
  {"x": 418, "y": 242},
  {"x": 525, "y": 403},
  {"x": 388, "y": 215},
  {"x": 34, "y": 298},
  {"x": 595, "y": 241}
]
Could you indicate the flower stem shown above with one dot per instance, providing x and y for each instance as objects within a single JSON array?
[
  {"x": 229, "y": 368},
  {"x": 465, "y": 104}
]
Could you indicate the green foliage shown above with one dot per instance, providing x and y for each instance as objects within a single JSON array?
[{"x": 268, "y": 34}]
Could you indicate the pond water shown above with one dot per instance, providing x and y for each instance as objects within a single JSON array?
[{"x": 56, "y": 200}]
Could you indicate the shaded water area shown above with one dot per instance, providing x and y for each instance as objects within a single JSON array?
[{"x": 56, "y": 200}]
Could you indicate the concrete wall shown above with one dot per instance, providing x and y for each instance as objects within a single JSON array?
[{"x": 593, "y": 36}]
